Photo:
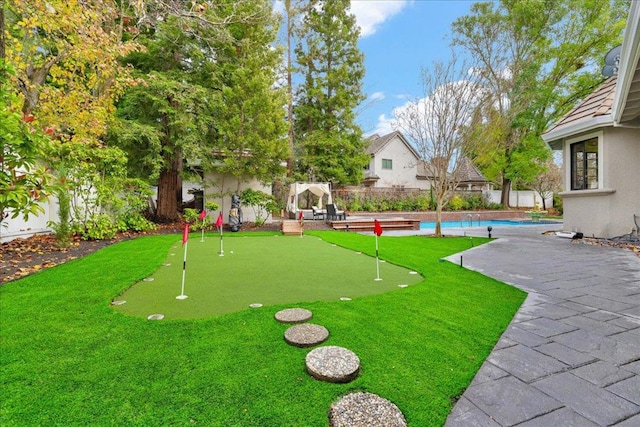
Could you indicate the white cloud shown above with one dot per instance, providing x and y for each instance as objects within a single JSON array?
[
  {"x": 371, "y": 14},
  {"x": 464, "y": 95},
  {"x": 383, "y": 127},
  {"x": 377, "y": 96}
]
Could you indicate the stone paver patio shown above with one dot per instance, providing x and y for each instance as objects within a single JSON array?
[{"x": 571, "y": 356}]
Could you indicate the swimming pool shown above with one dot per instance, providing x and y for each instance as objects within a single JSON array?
[{"x": 465, "y": 223}]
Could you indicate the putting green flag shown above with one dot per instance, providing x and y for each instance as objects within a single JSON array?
[{"x": 185, "y": 233}]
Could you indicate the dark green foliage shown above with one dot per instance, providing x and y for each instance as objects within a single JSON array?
[
  {"x": 329, "y": 144},
  {"x": 557, "y": 203},
  {"x": 62, "y": 228}
]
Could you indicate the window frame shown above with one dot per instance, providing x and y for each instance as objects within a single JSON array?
[
  {"x": 387, "y": 164},
  {"x": 586, "y": 170}
]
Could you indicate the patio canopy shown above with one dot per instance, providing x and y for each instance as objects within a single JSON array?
[{"x": 316, "y": 188}]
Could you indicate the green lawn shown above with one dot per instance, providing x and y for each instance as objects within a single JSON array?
[{"x": 68, "y": 358}]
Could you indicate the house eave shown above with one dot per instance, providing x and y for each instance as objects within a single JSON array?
[{"x": 554, "y": 137}]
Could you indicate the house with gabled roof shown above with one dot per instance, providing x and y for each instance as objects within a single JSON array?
[
  {"x": 600, "y": 144},
  {"x": 470, "y": 178},
  {"x": 394, "y": 163}
]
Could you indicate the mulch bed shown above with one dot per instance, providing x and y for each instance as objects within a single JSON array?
[{"x": 21, "y": 257}]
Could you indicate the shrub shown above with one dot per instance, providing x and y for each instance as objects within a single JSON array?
[
  {"x": 97, "y": 227},
  {"x": 457, "y": 203},
  {"x": 261, "y": 203},
  {"x": 557, "y": 203}
]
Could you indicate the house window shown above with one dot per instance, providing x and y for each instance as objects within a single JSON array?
[
  {"x": 387, "y": 164},
  {"x": 584, "y": 164}
]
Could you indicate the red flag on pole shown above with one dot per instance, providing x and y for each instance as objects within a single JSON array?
[
  {"x": 185, "y": 233},
  {"x": 219, "y": 220},
  {"x": 203, "y": 215},
  {"x": 301, "y": 216},
  {"x": 377, "y": 228}
]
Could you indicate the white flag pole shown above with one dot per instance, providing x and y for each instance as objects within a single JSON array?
[
  {"x": 377, "y": 279},
  {"x": 184, "y": 270},
  {"x": 202, "y": 238},
  {"x": 221, "y": 244}
]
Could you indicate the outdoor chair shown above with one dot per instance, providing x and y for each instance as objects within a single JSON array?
[
  {"x": 318, "y": 213},
  {"x": 334, "y": 214}
]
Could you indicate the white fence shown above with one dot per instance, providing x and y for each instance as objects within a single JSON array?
[
  {"x": 17, "y": 227},
  {"x": 520, "y": 199}
]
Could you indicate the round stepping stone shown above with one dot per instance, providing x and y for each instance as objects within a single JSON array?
[
  {"x": 293, "y": 315},
  {"x": 345, "y": 299},
  {"x": 118, "y": 302},
  {"x": 333, "y": 364},
  {"x": 155, "y": 317},
  {"x": 255, "y": 305},
  {"x": 306, "y": 335},
  {"x": 148, "y": 279},
  {"x": 365, "y": 409}
]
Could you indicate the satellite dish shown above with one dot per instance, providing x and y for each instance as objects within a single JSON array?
[
  {"x": 609, "y": 70},
  {"x": 612, "y": 61}
]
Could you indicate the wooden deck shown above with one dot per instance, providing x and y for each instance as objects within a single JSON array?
[{"x": 367, "y": 224}]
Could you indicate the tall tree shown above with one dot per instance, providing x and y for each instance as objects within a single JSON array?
[
  {"x": 208, "y": 74},
  {"x": 168, "y": 113},
  {"x": 249, "y": 122},
  {"x": 328, "y": 140},
  {"x": 436, "y": 123},
  {"x": 536, "y": 58},
  {"x": 293, "y": 10}
]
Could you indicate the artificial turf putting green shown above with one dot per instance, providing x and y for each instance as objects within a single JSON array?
[{"x": 266, "y": 270}]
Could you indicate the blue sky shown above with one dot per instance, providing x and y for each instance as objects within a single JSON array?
[{"x": 398, "y": 38}]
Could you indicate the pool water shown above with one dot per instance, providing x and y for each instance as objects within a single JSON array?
[{"x": 465, "y": 223}]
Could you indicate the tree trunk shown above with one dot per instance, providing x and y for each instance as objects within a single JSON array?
[
  {"x": 170, "y": 190},
  {"x": 506, "y": 192},
  {"x": 439, "y": 217},
  {"x": 167, "y": 209}
]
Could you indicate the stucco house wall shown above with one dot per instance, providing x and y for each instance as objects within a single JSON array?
[
  {"x": 404, "y": 166},
  {"x": 216, "y": 184},
  {"x": 612, "y": 115},
  {"x": 404, "y": 159},
  {"x": 605, "y": 212}
]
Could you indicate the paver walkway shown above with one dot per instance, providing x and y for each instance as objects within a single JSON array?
[{"x": 571, "y": 356}]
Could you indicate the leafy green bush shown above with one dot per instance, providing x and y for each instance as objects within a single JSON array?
[
  {"x": 557, "y": 203},
  {"x": 457, "y": 203},
  {"x": 192, "y": 216},
  {"x": 261, "y": 203},
  {"x": 62, "y": 228},
  {"x": 97, "y": 227}
]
